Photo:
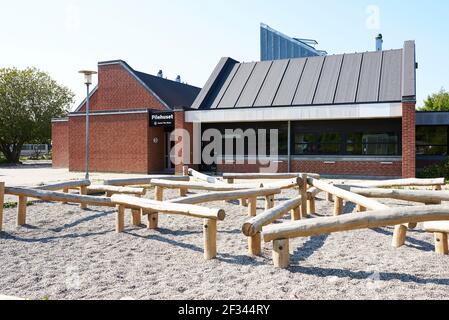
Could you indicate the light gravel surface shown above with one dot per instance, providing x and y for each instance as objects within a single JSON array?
[{"x": 67, "y": 253}]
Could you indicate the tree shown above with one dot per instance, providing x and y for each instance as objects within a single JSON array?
[
  {"x": 437, "y": 102},
  {"x": 29, "y": 99}
]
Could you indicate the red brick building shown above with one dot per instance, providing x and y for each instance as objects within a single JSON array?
[{"x": 121, "y": 136}]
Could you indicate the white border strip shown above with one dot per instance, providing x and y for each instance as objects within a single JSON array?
[{"x": 307, "y": 113}]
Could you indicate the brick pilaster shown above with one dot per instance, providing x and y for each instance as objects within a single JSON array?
[{"x": 408, "y": 140}]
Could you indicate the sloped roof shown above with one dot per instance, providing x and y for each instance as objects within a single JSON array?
[{"x": 371, "y": 77}]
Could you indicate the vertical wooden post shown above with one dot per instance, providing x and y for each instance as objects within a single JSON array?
[
  {"x": 65, "y": 190},
  {"x": 412, "y": 225},
  {"x": 2, "y": 202},
  {"x": 438, "y": 188},
  {"x": 269, "y": 202},
  {"x": 182, "y": 192},
  {"x": 136, "y": 216},
  {"x": 296, "y": 214},
  {"x": 231, "y": 181},
  {"x": 153, "y": 220},
  {"x": 210, "y": 239},
  {"x": 185, "y": 171},
  {"x": 338, "y": 208},
  {"x": 120, "y": 219},
  {"x": 159, "y": 194},
  {"x": 399, "y": 236},
  {"x": 243, "y": 202},
  {"x": 360, "y": 208},
  {"x": 304, "y": 195},
  {"x": 83, "y": 191},
  {"x": 109, "y": 194},
  {"x": 441, "y": 244},
  {"x": 281, "y": 253},
  {"x": 254, "y": 242},
  {"x": 22, "y": 211},
  {"x": 311, "y": 207},
  {"x": 330, "y": 197}
]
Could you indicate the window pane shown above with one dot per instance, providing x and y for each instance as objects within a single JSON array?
[{"x": 380, "y": 144}]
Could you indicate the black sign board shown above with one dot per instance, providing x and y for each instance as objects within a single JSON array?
[{"x": 162, "y": 119}]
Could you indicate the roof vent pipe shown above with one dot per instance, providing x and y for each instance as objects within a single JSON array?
[
  {"x": 160, "y": 74},
  {"x": 379, "y": 42},
  {"x": 178, "y": 79}
]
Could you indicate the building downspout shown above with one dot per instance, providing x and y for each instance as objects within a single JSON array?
[{"x": 289, "y": 146}]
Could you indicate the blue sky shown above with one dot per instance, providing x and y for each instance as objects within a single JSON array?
[{"x": 189, "y": 37}]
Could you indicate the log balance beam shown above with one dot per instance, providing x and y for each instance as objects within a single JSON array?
[
  {"x": 51, "y": 196},
  {"x": 281, "y": 233},
  {"x": 439, "y": 182},
  {"x": 150, "y": 207},
  {"x": 144, "y": 181},
  {"x": 111, "y": 190},
  {"x": 66, "y": 186}
]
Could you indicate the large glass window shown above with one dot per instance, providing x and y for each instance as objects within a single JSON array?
[
  {"x": 372, "y": 144},
  {"x": 431, "y": 141},
  {"x": 317, "y": 143}
]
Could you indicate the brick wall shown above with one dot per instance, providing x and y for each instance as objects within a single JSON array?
[
  {"x": 118, "y": 90},
  {"x": 408, "y": 140},
  {"x": 117, "y": 143},
  {"x": 354, "y": 168},
  {"x": 60, "y": 144}
]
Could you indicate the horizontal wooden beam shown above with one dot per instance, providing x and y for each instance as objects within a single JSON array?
[
  {"x": 64, "y": 185},
  {"x": 404, "y": 183},
  {"x": 152, "y": 206},
  {"x": 227, "y": 195},
  {"x": 422, "y": 196},
  {"x": 116, "y": 189},
  {"x": 346, "y": 195},
  {"x": 267, "y": 176},
  {"x": 202, "y": 186},
  {"x": 143, "y": 180},
  {"x": 254, "y": 225},
  {"x": 355, "y": 221},
  {"x": 203, "y": 177},
  {"x": 59, "y": 196}
]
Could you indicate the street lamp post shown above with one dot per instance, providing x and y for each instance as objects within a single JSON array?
[{"x": 88, "y": 81}]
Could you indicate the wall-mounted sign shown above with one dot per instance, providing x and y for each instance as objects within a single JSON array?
[{"x": 162, "y": 119}]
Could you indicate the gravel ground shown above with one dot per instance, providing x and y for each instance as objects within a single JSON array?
[{"x": 68, "y": 253}]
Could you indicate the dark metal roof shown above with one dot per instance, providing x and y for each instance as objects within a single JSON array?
[{"x": 371, "y": 77}]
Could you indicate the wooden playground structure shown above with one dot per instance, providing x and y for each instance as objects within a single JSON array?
[{"x": 124, "y": 194}]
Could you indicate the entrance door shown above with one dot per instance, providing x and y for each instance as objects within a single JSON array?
[{"x": 168, "y": 147}]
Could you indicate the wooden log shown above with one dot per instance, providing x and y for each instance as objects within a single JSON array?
[
  {"x": 120, "y": 219},
  {"x": 136, "y": 216},
  {"x": 151, "y": 206},
  {"x": 422, "y": 196},
  {"x": 281, "y": 253},
  {"x": 110, "y": 190},
  {"x": 399, "y": 236},
  {"x": 153, "y": 220},
  {"x": 285, "y": 184},
  {"x": 83, "y": 191},
  {"x": 255, "y": 241},
  {"x": 185, "y": 171},
  {"x": 347, "y": 195},
  {"x": 303, "y": 194},
  {"x": 437, "y": 226},
  {"x": 230, "y": 181},
  {"x": 59, "y": 196},
  {"x": 311, "y": 207},
  {"x": 210, "y": 239},
  {"x": 202, "y": 185},
  {"x": 313, "y": 192},
  {"x": 405, "y": 183},
  {"x": 441, "y": 243},
  {"x": 269, "y": 202},
  {"x": 438, "y": 188},
  {"x": 255, "y": 224},
  {"x": 203, "y": 177},
  {"x": 243, "y": 202},
  {"x": 266, "y": 176},
  {"x": 22, "y": 211},
  {"x": 227, "y": 196},
  {"x": 360, "y": 208},
  {"x": 354, "y": 221},
  {"x": 296, "y": 214},
  {"x": 159, "y": 193},
  {"x": 144, "y": 181},
  {"x": 64, "y": 185},
  {"x": 183, "y": 192},
  {"x": 339, "y": 206},
  {"x": 2, "y": 203},
  {"x": 65, "y": 190},
  {"x": 329, "y": 197}
]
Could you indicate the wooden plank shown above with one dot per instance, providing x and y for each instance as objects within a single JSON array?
[{"x": 354, "y": 221}]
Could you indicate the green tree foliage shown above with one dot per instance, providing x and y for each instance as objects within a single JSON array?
[
  {"x": 29, "y": 99},
  {"x": 437, "y": 102}
]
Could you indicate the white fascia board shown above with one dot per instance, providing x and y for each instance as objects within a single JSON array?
[{"x": 307, "y": 113}]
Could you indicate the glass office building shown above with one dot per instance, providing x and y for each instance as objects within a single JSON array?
[{"x": 274, "y": 45}]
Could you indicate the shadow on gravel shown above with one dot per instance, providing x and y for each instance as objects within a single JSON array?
[
  {"x": 362, "y": 275},
  {"x": 83, "y": 220},
  {"x": 309, "y": 248},
  {"x": 175, "y": 243},
  {"x": 8, "y": 236},
  {"x": 411, "y": 242}
]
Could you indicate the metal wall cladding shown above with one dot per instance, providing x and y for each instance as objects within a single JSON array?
[{"x": 237, "y": 85}]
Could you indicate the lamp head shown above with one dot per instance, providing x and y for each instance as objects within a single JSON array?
[{"x": 88, "y": 75}]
